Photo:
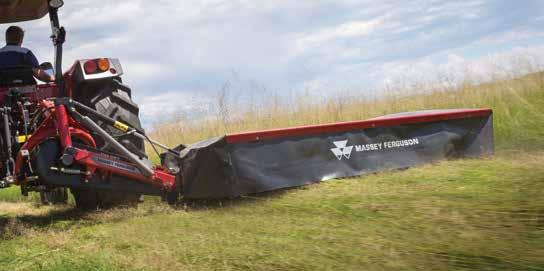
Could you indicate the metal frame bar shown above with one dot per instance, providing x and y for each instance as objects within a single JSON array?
[
  {"x": 64, "y": 123},
  {"x": 119, "y": 126},
  {"x": 57, "y": 35}
]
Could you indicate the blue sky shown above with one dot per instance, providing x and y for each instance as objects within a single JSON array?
[{"x": 177, "y": 55}]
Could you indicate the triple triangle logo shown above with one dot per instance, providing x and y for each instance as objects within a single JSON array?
[{"x": 342, "y": 149}]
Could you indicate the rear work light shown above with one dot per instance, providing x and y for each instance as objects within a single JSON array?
[
  {"x": 93, "y": 66},
  {"x": 103, "y": 64},
  {"x": 90, "y": 66}
]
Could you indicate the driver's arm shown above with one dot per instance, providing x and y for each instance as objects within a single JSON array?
[
  {"x": 42, "y": 75},
  {"x": 39, "y": 73}
]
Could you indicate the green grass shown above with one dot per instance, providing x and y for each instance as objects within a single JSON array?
[
  {"x": 471, "y": 214},
  {"x": 452, "y": 215},
  {"x": 13, "y": 194}
]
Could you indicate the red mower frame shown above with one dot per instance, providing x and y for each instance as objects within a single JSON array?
[{"x": 62, "y": 121}]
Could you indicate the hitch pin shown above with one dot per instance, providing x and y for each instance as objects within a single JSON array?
[{"x": 68, "y": 171}]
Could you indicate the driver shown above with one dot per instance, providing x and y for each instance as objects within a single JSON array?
[{"x": 14, "y": 55}]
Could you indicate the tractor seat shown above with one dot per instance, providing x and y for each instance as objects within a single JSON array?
[{"x": 16, "y": 76}]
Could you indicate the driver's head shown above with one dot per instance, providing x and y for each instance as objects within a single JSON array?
[{"x": 14, "y": 35}]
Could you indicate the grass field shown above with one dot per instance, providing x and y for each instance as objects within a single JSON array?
[{"x": 471, "y": 214}]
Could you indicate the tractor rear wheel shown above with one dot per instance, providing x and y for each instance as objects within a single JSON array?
[{"x": 114, "y": 100}]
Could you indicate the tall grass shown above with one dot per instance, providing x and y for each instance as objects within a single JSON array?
[{"x": 518, "y": 106}]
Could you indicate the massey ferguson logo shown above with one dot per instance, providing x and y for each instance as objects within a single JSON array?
[{"x": 342, "y": 149}]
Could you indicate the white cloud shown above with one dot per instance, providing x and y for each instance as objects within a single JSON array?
[
  {"x": 167, "y": 105},
  {"x": 456, "y": 69},
  {"x": 345, "y": 30},
  {"x": 325, "y": 45}
]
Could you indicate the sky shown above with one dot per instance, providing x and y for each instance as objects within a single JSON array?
[{"x": 179, "y": 55}]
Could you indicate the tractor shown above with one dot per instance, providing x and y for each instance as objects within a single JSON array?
[{"x": 80, "y": 133}]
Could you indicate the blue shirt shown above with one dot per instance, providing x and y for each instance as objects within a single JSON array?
[{"x": 14, "y": 55}]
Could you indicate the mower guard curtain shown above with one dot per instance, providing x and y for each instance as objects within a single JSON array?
[{"x": 248, "y": 163}]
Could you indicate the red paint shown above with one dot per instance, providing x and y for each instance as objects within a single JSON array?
[
  {"x": 90, "y": 66},
  {"x": 62, "y": 126},
  {"x": 159, "y": 178},
  {"x": 163, "y": 177},
  {"x": 47, "y": 132},
  {"x": 357, "y": 125},
  {"x": 58, "y": 124},
  {"x": 41, "y": 92}
]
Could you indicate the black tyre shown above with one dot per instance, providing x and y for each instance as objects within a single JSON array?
[{"x": 113, "y": 99}]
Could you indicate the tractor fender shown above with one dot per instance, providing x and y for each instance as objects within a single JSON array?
[{"x": 87, "y": 69}]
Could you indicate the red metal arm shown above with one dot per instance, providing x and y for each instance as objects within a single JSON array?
[{"x": 60, "y": 125}]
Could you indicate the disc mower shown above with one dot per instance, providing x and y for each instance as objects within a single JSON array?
[{"x": 82, "y": 133}]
